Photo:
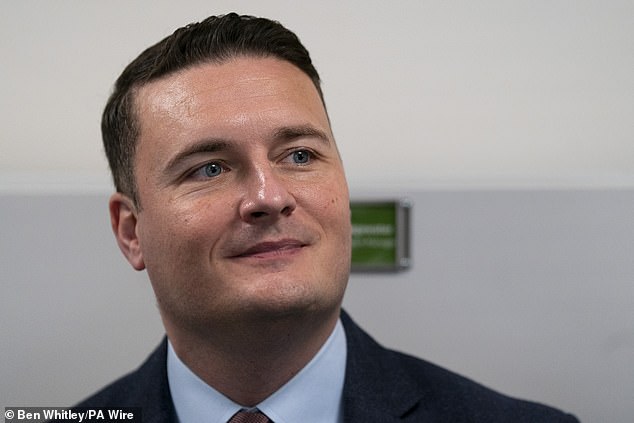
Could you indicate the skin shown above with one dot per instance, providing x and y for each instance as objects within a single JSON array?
[{"x": 242, "y": 222}]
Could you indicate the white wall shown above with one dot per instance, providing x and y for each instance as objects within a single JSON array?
[{"x": 421, "y": 93}]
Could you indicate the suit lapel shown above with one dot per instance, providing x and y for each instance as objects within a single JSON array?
[
  {"x": 153, "y": 388},
  {"x": 376, "y": 387}
]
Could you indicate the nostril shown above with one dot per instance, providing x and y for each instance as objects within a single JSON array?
[{"x": 258, "y": 214}]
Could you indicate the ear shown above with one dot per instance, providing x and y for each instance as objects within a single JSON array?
[{"x": 123, "y": 218}]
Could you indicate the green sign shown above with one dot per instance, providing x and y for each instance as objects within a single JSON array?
[{"x": 380, "y": 235}]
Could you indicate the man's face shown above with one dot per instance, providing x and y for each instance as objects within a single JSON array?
[{"x": 243, "y": 202}]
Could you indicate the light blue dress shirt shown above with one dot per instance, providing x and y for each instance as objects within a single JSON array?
[{"x": 314, "y": 395}]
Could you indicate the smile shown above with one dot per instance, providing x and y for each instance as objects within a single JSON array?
[{"x": 275, "y": 249}]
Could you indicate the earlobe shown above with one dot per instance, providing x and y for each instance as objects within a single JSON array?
[{"x": 123, "y": 218}]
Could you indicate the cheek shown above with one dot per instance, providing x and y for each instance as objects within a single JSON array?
[
  {"x": 335, "y": 212},
  {"x": 170, "y": 229},
  {"x": 338, "y": 208}
]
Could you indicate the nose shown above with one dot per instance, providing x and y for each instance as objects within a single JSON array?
[{"x": 267, "y": 197}]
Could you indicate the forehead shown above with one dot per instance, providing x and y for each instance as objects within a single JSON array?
[{"x": 237, "y": 85}]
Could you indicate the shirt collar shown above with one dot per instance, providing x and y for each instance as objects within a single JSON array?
[{"x": 314, "y": 395}]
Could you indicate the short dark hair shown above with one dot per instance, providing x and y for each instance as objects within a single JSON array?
[{"x": 214, "y": 40}]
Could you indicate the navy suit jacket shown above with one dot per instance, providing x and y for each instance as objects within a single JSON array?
[{"x": 380, "y": 386}]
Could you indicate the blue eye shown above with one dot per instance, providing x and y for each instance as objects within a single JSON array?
[
  {"x": 301, "y": 156},
  {"x": 211, "y": 169},
  {"x": 208, "y": 171}
]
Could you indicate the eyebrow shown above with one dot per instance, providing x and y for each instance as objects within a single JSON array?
[
  {"x": 288, "y": 133},
  {"x": 204, "y": 146}
]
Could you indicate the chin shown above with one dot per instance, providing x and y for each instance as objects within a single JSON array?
[{"x": 294, "y": 301}]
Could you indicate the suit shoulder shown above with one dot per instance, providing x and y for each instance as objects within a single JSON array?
[
  {"x": 478, "y": 402},
  {"x": 414, "y": 387},
  {"x": 116, "y": 394},
  {"x": 141, "y": 387}
]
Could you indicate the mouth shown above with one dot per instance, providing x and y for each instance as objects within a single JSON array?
[{"x": 272, "y": 249}]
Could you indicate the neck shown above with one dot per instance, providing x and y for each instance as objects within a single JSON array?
[{"x": 248, "y": 361}]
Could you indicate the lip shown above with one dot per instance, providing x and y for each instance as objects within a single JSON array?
[{"x": 271, "y": 249}]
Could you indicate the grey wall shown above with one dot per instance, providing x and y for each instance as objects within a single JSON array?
[{"x": 529, "y": 292}]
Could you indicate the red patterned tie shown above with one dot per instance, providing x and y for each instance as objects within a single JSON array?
[{"x": 246, "y": 417}]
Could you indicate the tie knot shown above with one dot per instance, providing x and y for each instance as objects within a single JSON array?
[{"x": 249, "y": 417}]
